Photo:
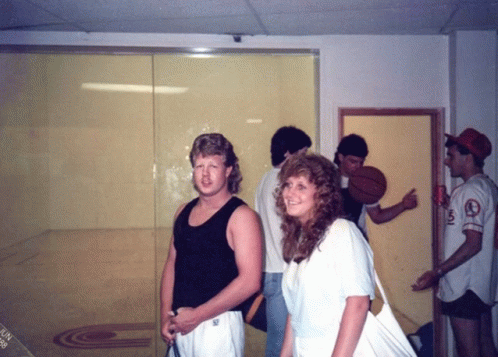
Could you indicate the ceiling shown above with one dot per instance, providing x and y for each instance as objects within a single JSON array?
[{"x": 250, "y": 17}]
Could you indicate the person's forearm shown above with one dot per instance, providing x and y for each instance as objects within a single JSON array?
[
  {"x": 236, "y": 292},
  {"x": 471, "y": 246},
  {"x": 352, "y": 322},
  {"x": 166, "y": 296},
  {"x": 287, "y": 345},
  {"x": 239, "y": 290},
  {"x": 467, "y": 250},
  {"x": 381, "y": 215},
  {"x": 166, "y": 289}
]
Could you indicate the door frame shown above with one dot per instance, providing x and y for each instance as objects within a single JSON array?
[{"x": 437, "y": 178}]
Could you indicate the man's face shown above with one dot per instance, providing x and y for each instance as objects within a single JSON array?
[
  {"x": 455, "y": 161},
  {"x": 349, "y": 164},
  {"x": 210, "y": 174}
]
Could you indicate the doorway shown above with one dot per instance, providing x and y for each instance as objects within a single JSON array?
[{"x": 407, "y": 146}]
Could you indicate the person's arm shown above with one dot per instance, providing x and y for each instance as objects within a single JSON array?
[
  {"x": 288, "y": 343},
  {"x": 381, "y": 215},
  {"x": 471, "y": 246},
  {"x": 166, "y": 294},
  {"x": 166, "y": 290},
  {"x": 244, "y": 234},
  {"x": 352, "y": 322}
]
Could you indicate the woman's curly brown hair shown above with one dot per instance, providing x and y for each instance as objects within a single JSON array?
[{"x": 299, "y": 239}]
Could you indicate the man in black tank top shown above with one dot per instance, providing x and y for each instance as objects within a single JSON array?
[
  {"x": 350, "y": 155},
  {"x": 215, "y": 258}
]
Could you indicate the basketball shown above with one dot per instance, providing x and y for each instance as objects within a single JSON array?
[{"x": 367, "y": 184}]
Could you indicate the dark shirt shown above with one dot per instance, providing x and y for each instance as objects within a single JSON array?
[
  {"x": 352, "y": 209},
  {"x": 205, "y": 263}
]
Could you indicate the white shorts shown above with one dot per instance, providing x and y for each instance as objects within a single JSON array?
[{"x": 219, "y": 336}]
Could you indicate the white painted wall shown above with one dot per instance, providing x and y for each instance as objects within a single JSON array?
[
  {"x": 473, "y": 90},
  {"x": 381, "y": 71}
]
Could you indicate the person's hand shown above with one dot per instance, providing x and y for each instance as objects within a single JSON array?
[
  {"x": 443, "y": 200},
  {"x": 410, "y": 200},
  {"x": 167, "y": 333},
  {"x": 446, "y": 201},
  {"x": 185, "y": 320},
  {"x": 428, "y": 279}
]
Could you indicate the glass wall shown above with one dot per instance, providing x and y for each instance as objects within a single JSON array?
[{"x": 94, "y": 163}]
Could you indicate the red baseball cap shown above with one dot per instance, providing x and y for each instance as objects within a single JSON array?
[{"x": 477, "y": 143}]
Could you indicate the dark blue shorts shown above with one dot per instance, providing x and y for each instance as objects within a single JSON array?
[{"x": 469, "y": 306}]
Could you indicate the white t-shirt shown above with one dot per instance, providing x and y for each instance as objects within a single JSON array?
[
  {"x": 315, "y": 290},
  {"x": 266, "y": 207},
  {"x": 472, "y": 207}
]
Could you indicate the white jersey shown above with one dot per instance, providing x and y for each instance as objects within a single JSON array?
[
  {"x": 472, "y": 207},
  {"x": 265, "y": 205}
]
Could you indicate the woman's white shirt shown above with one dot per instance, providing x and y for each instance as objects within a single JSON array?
[{"x": 315, "y": 290}]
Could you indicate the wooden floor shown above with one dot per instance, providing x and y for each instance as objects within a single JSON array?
[
  {"x": 88, "y": 293},
  {"x": 92, "y": 293}
]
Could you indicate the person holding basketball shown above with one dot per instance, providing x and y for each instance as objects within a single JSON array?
[
  {"x": 468, "y": 276},
  {"x": 350, "y": 155}
]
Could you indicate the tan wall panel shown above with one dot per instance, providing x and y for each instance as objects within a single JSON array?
[
  {"x": 297, "y": 92},
  {"x": 101, "y": 145},
  {"x": 242, "y": 97},
  {"x": 24, "y": 175}
]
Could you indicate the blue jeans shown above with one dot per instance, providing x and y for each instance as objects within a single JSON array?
[{"x": 276, "y": 313}]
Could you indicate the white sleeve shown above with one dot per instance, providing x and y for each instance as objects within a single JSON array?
[
  {"x": 351, "y": 259},
  {"x": 474, "y": 206}
]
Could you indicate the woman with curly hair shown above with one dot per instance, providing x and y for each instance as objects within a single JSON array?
[{"x": 329, "y": 280}]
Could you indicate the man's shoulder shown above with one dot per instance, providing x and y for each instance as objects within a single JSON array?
[
  {"x": 268, "y": 183},
  {"x": 243, "y": 222},
  {"x": 478, "y": 191},
  {"x": 486, "y": 182},
  {"x": 236, "y": 202},
  {"x": 243, "y": 209},
  {"x": 269, "y": 176},
  {"x": 183, "y": 205},
  {"x": 244, "y": 215},
  {"x": 269, "y": 179},
  {"x": 479, "y": 184}
]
